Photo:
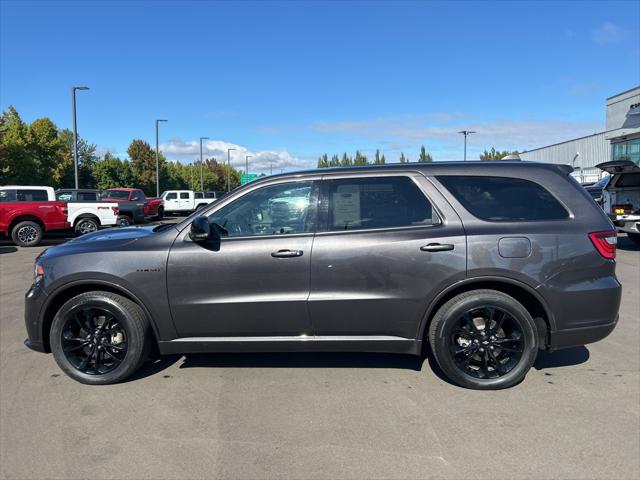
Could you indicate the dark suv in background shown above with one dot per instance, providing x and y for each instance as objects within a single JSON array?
[{"x": 486, "y": 261}]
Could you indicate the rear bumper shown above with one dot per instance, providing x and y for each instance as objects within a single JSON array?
[{"x": 580, "y": 336}]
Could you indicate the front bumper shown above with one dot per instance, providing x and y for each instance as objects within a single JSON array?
[{"x": 34, "y": 301}]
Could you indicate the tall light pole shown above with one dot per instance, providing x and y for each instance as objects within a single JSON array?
[
  {"x": 466, "y": 133},
  {"x": 246, "y": 168},
  {"x": 201, "y": 163},
  {"x": 270, "y": 168},
  {"x": 158, "y": 160},
  {"x": 229, "y": 150},
  {"x": 75, "y": 130}
]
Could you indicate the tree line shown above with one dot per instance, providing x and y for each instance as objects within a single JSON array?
[
  {"x": 360, "y": 159},
  {"x": 40, "y": 153}
]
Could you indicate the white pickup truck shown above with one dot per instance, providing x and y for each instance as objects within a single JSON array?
[
  {"x": 84, "y": 216},
  {"x": 185, "y": 201}
]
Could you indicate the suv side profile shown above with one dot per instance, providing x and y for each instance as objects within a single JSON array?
[{"x": 487, "y": 262}]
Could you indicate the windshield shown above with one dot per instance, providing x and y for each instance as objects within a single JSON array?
[{"x": 123, "y": 194}]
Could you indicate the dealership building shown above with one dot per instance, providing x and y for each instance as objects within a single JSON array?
[{"x": 620, "y": 140}]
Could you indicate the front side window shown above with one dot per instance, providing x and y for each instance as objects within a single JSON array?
[
  {"x": 32, "y": 195},
  {"x": 274, "y": 210},
  {"x": 171, "y": 196},
  {"x": 503, "y": 199},
  {"x": 87, "y": 197},
  {"x": 385, "y": 202},
  {"x": 7, "y": 195},
  {"x": 184, "y": 195}
]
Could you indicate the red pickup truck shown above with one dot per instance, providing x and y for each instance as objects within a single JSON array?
[
  {"x": 153, "y": 208},
  {"x": 26, "y": 222}
]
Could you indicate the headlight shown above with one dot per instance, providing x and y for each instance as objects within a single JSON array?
[{"x": 38, "y": 272}]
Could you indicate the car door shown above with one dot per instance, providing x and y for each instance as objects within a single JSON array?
[
  {"x": 254, "y": 282},
  {"x": 184, "y": 202},
  {"x": 171, "y": 202},
  {"x": 386, "y": 246}
]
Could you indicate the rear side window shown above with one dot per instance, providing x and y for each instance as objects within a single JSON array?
[
  {"x": 386, "y": 202},
  {"x": 502, "y": 199},
  {"x": 199, "y": 195},
  {"x": 184, "y": 195},
  {"x": 32, "y": 195},
  {"x": 87, "y": 196},
  {"x": 7, "y": 195},
  {"x": 64, "y": 196}
]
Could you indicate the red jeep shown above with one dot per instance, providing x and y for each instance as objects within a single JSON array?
[{"x": 153, "y": 207}]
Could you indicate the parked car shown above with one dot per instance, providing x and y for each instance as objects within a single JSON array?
[
  {"x": 152, "y": 208},
  {"x": 595, "y": 189},
  {"x": 210, "y": 194},
  {"x": 184, "y": 201},
  {"x": 487, "y": 262},
  {"x": 621, "y": 197},
  {"x": 123, "y": 212},
  {"x": 26, "y": 221}
]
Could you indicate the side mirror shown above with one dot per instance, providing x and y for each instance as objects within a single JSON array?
[{"x": 200, "y": 229}]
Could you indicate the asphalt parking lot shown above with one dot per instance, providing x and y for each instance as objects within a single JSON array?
[{"x": 576, "y": 415}]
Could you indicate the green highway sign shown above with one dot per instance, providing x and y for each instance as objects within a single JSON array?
[{"x": 248, "y": 178}]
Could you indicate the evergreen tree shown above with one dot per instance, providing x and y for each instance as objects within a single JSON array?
[
  {"x": 346, "y": 160},
  {"x": 360, "y": 159},
  {"x": 424, "y": 156},
  {"x": 383, "y": 159},
  {"x": 323, "y": 161},
  {"x": 335, "y": 161},
  {"x": 403, "y": 159}
]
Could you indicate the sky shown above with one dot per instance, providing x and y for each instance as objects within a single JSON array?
[{"x": 285, "y": 82}]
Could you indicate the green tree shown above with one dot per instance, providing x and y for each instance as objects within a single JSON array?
[
  {"x": 360, "y": 159},
  {"x": 424, "y": 157},
  {"x": 143, "y": 165},
  {"x": 111, "y": 172},
  {"x": 335, "y": 161},
  {"x": 16, "y": 164},
  {"x": 403, "y": 159},
  {"x": 378, "y": 160},
  {"x": 346, "y": 160},
  {"x": 323, "y": 161},
  {"x": 383, "y": 159},
  {"x": 494, "y": 154},
  {"x": 87, "y": 159}
]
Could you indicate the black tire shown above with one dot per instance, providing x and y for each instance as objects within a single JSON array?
[
  {"x": 124, "y": 221},
  {"x": 27, "y": 234},
  {"x": 87, "y": 225},
  {"x": 634, "y": 237},
  {"x": 160, "y": 215},
  {"x": 478, "y": 360},
  {"x": 120, "y": 356}
]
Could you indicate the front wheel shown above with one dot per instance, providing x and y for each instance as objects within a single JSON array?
[
  {"x": 484, "y": 339},
  {"x": 27, "y": 234},
  {"x": 160, "y": 215},
  {"x": 99, "y": 338}
]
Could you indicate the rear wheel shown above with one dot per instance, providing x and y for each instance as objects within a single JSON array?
[
  {"x": 160, "y": 215},
  {"x": 484, "y": 339},
  {"x": 87, "y": 225},
  {"x": 634, "y": 237},
  {"x": 124, "y": 221},
  {"x": 27, "y": 234},
  {"x": 99, "y": 338}
]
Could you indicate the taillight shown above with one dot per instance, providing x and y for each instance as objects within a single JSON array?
[
  {"x": 605, "y": 242},
  {"x": 116, "y": 210},
  {"x": 622, "y": 209}
]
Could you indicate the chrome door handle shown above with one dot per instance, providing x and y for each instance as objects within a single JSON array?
[
  {"x": 437, "y": 247},
  {"x": 286, "y": 253}
]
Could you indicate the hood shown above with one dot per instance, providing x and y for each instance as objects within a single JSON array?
[{"x": 116, "y": 234}]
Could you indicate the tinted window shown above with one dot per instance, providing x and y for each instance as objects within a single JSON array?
[
  {"x": 184, "y": 195},
  {"x": 210, "y": 195},
  {"x": 273, "y": 210},
  {"x": 171, "y": 196},
  {"x": 363, "y": 203},
  {"x": 64, "y": 196},
  {"x": 504, "y": 199},
  {"x": 7, "y": 195},
  {"x": 119, "y": 194},
  {"x": 199, "y": 195},
  {"x": 32, "y": 195},
  {"x": 87, "y": 196},
  {"x": 629, "y": 180}
]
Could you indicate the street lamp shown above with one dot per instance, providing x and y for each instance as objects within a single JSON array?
[
  {"x": 158, "y": 160},
  {"x": 229, "y": 150},
  {"x": 75, "y": 130},
  {"x": 466, "y": 133},
  {"x": 246, "y": 168},
  {"x": 201, "y": 174}
]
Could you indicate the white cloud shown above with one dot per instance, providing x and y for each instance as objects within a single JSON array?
[
  {"x": 260, "y": 161},
  {"x": 608, "y": 33}
]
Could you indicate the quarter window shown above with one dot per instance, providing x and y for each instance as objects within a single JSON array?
[
  {"x": 502, "y": 199},
  {"x": 184, "y": 195},
  {"x": 385, "y": 202},
  {"x": 274, "y": 210}
]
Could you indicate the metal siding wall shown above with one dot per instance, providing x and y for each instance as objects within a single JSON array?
[{"x": 593, "y": 150}]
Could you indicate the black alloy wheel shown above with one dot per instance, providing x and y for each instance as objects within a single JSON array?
[
  {"x": 487, "y": 343},
  {"x": 94, "y": 341}
]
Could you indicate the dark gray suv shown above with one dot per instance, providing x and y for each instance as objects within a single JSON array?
[{"x": 485, "y": 261}]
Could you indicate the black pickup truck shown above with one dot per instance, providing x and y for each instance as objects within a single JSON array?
[{"x": 130, "y": 212}]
